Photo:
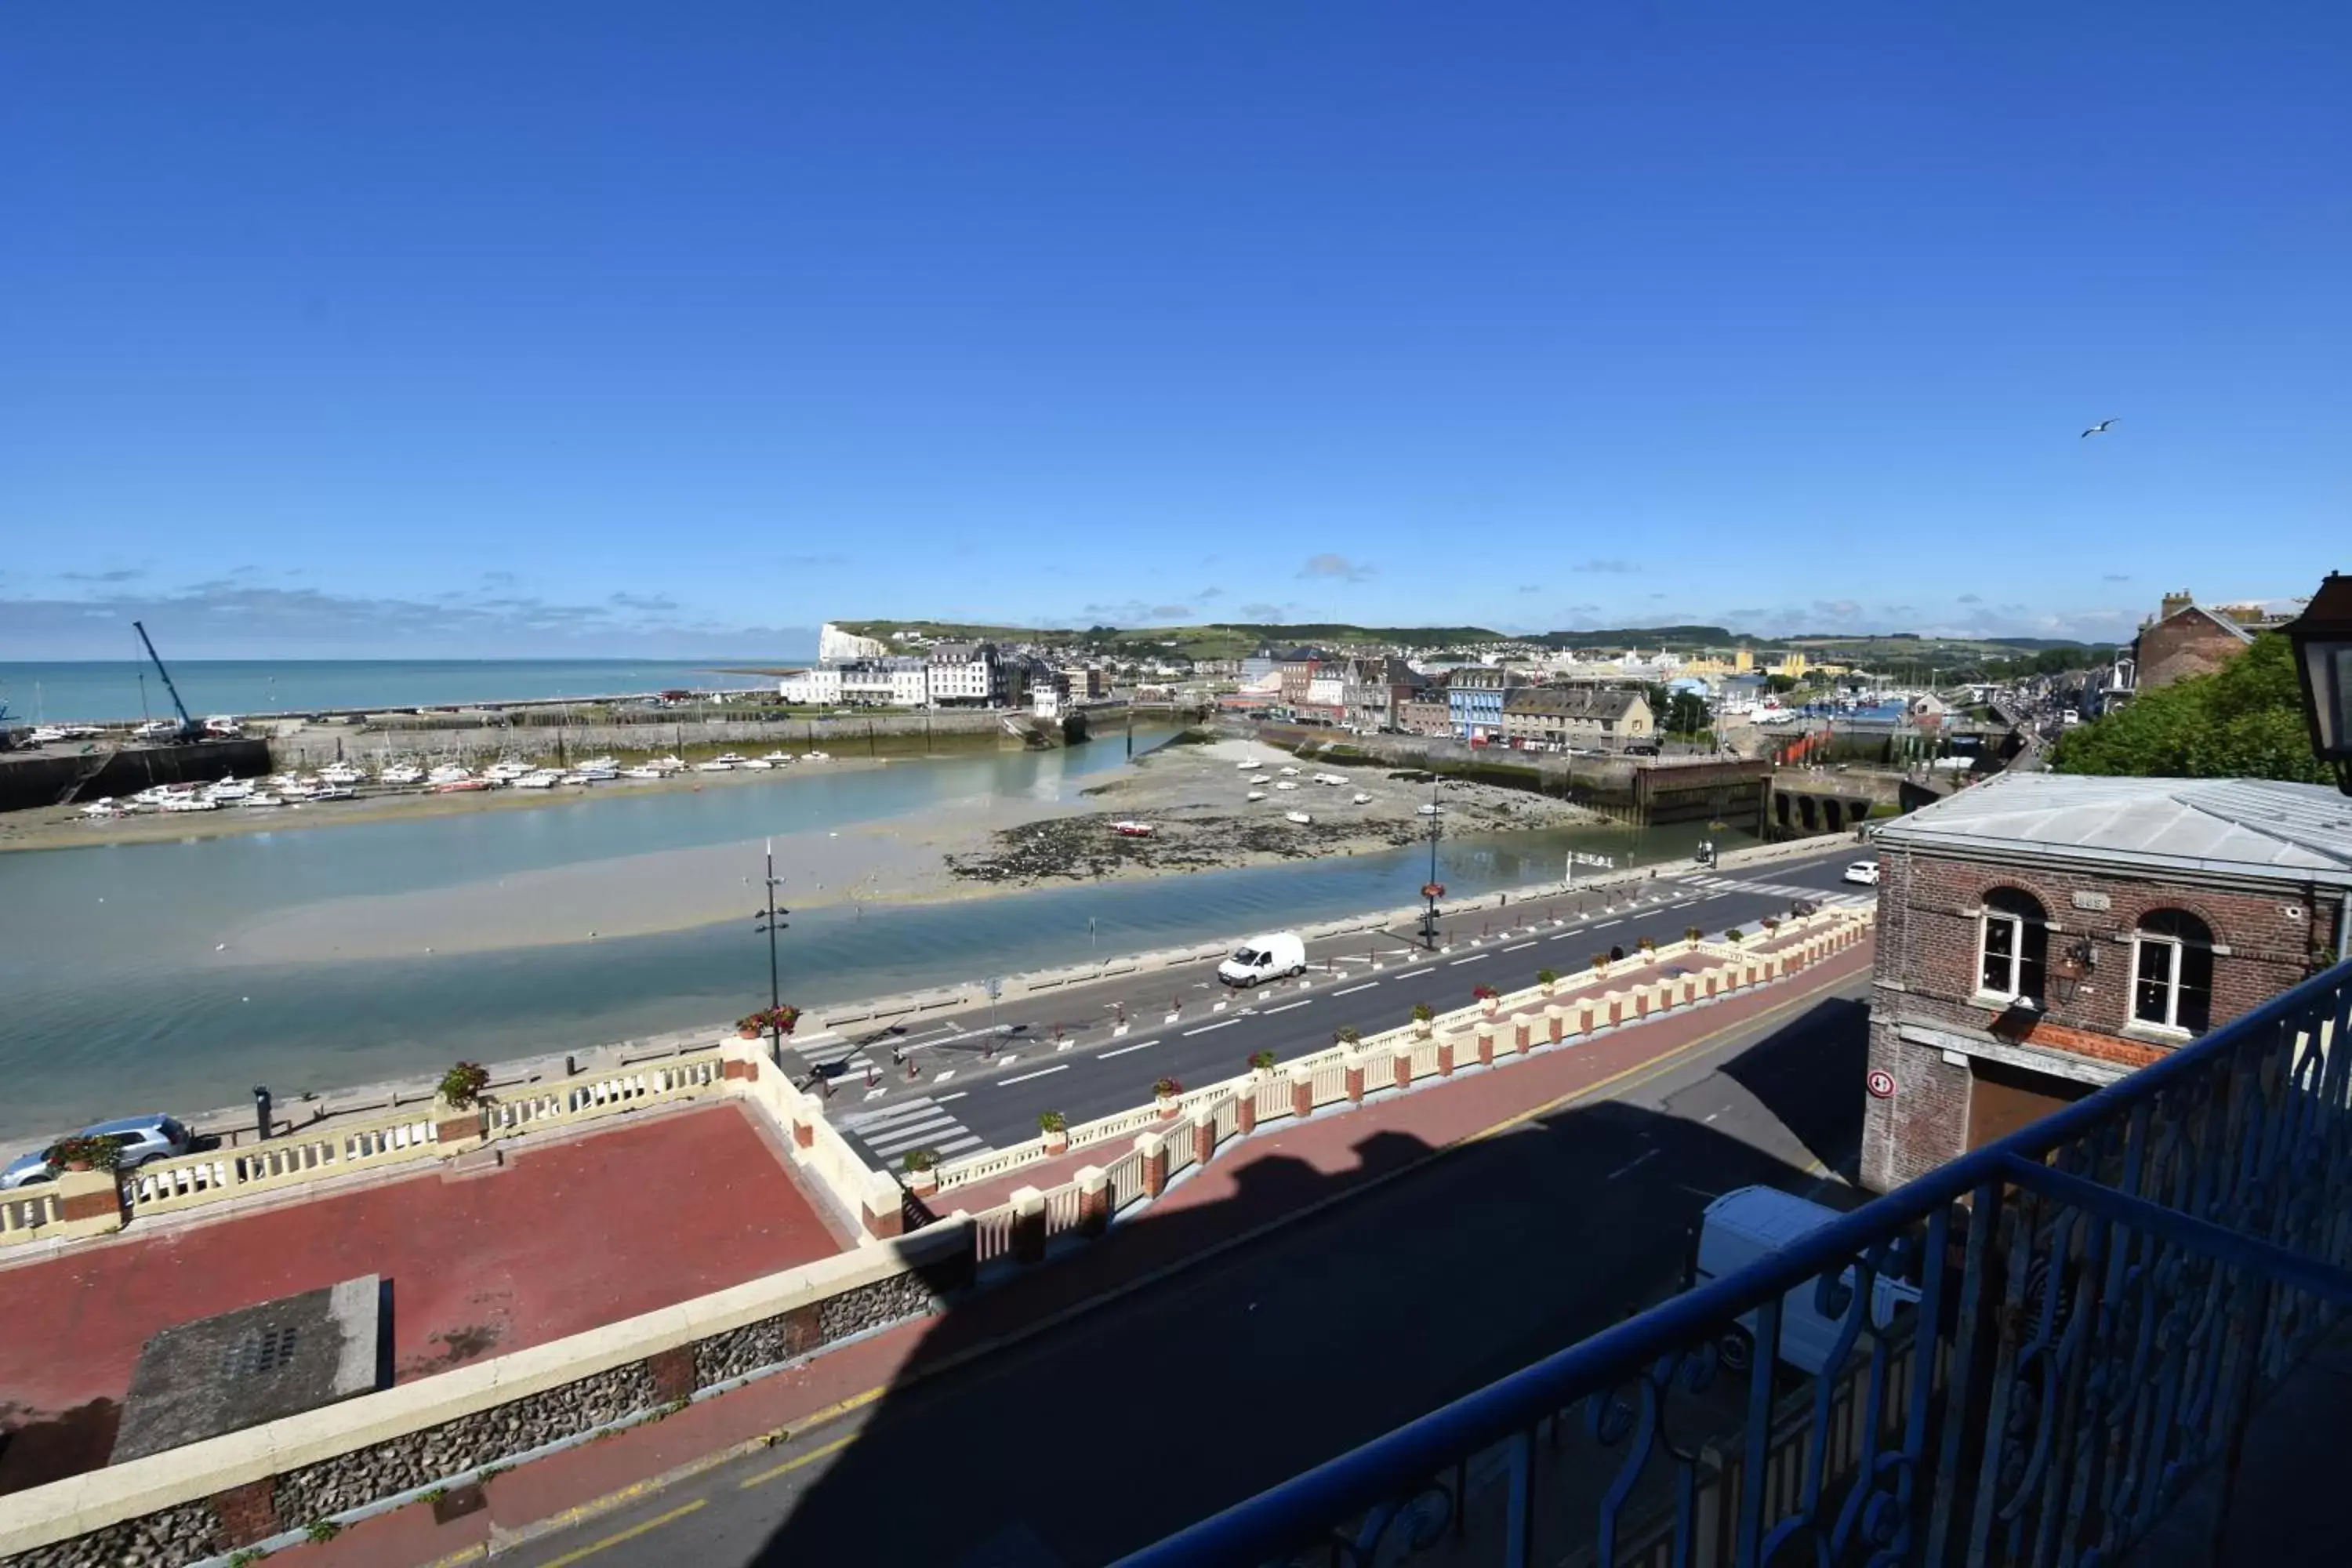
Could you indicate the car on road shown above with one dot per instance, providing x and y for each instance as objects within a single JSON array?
[
  {"x": 143, "y": 1138},
  {"x": 1277, "y": 955},
  {"x": 1747, "y": 1226},
  {"x": 1862, "y": 872}
]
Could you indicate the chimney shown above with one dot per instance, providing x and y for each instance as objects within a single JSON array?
[{"x": 2175, "y": 603}]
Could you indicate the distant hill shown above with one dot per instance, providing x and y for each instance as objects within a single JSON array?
[
  {"x": 1644, "y": 636},
  {"x": 1223, "y": 639}
]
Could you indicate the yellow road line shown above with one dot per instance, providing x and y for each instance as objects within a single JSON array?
[
  {"x": 811, "y": 1457},
  {"x": 618, "y": 1536}
]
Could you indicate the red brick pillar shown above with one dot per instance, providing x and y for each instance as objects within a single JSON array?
[
  {"x": 247, "y": 1513},
  {"x": 456, "y": 1126},
  {"x": 1246, "y": 1106},
  {"x": 1555, "y": 1023},
  {"x": 804, "y": 1134},
  {"x": 86, "y": 1195},
  {"x": 1486, "y": 1044},
  {"x": 1402, "y": 1066},
  {"x": 1445, "y": 1058},
  {"x": 1355, "y": 1078},
  {"x": 885, "y": 1213},
  {"x": 1204, "y": 1136},
  {"x": 1154, "y": 1149},
  {"x": 1028, "y": 1225},
  {"x": 1302, "y": 1093},
  {"x": 1094, "y": 1200}
]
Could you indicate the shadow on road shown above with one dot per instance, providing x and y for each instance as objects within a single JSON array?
[{"x": 1199, "y": 1386}]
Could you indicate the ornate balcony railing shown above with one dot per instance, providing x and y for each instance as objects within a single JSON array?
[{"x": 2036, "y": 1348}]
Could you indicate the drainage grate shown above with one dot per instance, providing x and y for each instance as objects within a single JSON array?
[{"x": 263, "y": 1349}]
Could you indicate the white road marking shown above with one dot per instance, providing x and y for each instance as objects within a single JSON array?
[
  {"x": 1138, "y": 1046},
  {"x": 1460, "y": 961},
  {"x": 1642, "y": 1158},
  {"x": 958, "y": 1094},
  {"x": 1516, "y": 949},
  {"x": 1285, "y": 1007},
  {"x": 1026, "y": 1076},
  {"x": 1605, "y": 925},
  {"x": 1221, "y": 1023},
  {"x": 1351, "y": 990},
  {"x": 942, "y": 1077}
]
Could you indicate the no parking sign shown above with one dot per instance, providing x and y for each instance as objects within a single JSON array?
[{"x": 1881, "y": 1084}]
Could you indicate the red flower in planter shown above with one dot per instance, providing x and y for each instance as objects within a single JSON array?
[{"x": 1484, "y": 993}]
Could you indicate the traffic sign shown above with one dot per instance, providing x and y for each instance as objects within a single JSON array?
[{"x": 1881, "y": 1084}]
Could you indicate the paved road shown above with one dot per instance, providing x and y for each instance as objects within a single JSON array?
[
  {"x": 1111, "y": 1430},
  {"x": 962, "y": 1100}
]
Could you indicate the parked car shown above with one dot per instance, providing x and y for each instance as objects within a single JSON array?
[
  {"x": 1750, "y": 1224},
  {"x": 1862, "y": 872},
  {"x": 143, "y": 1138},
  {"x": 1274, "y": 956}
]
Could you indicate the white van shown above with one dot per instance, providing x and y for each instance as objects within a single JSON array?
[
  {"x": 1277, "y": 955},
  {"x": 1751, "y": 1223}
]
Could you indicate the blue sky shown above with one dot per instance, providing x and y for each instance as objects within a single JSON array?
[{"x": 503, "y": 329}]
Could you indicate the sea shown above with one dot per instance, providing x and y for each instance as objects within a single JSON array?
[{"x": 96, "y": 691}]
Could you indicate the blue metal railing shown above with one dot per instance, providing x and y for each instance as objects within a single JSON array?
[{"x": 2101, "y": 1298}]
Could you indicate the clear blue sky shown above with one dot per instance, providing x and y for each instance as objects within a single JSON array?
[{"x": 502, "y": 328}]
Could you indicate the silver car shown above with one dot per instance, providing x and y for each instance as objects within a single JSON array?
[{"x": 143, "y": 1138}]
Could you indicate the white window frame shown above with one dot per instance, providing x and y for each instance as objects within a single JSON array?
[
  {"x": 2170, "y": 1023},
  {"x": 1985, "y": 917}
]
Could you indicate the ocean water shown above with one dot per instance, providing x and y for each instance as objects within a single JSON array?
[
  {"x": 118, "y": 1000},
  {"x": 99, "y": 691}
]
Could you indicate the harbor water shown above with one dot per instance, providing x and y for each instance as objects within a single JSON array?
[{"x": 120, "y": 998}]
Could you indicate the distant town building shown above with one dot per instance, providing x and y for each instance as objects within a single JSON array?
[
  {"x": 2041, "y": 934},
  {"x": 819, "y": 687},
  {"x": 1374, "y": 691},
  {"x": 964, "y": 675},
  {"x": 1426, "y": 712},
  {"x": 885, "y": 683},
  {"x": 1576, "y": 716},
  {"x": 2182, "y": 640},
  {"x": 1473, "y": 696}
]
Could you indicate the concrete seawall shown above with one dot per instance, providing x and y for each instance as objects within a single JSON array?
[
  {"x": 445, "y": 736},
  {"x": 38, "y": 779}
]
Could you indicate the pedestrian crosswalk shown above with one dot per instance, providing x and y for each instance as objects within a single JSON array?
[
  {"x": 836, "y": 1056},
  {"x": 1790, "y": 891},
  {"x": 920, "y": 1123}
]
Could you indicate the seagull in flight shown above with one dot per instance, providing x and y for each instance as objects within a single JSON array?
[{"x": 2100, "y": 429}]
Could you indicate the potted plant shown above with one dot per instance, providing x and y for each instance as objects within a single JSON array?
[
  {"x": 922, "y": 1172},
  {"x": 1771, "y": 925},
  {"x": 1692, "y": 934},
  {"x": 1549, "y": 979},
  {"x": 1600, "y": 963},
  {"x": 1056, "y": 1130},
  {"x": 1164, "y": 1093},
  {"x": 1734, "y": 936},
  {"x": 752, "y": 1025},
  {"x": 1649, "y": 946},
  {"x": 83, "y": 1152},
  {"x": 747, "y": 1027},
  {"x": 1262, "y": 1063},
  {"x": 462, "y": 1085},
  {"x": 1422, "y": 1016},
  {"x": 1489, "y": 1000},
  {"x": 1347, "y": 1034}
]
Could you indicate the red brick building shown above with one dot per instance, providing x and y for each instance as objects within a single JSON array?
[{"x": 2041, "y": 936}]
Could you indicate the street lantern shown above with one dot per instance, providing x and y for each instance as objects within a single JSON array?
[{"x": 2321, "y": 637}]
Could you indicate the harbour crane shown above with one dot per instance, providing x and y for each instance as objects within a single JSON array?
[{"x": 189, "y": 729}]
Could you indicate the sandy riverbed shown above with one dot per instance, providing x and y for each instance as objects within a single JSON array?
[{"x": 972, "y": 847}]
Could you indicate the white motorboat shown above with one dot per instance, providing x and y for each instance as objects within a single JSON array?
[
  {"x": 299, "y": 789},
  {"x": 1255, "y": 795},
  {"x": 1246, "y": 763},
  {"x": 1289, "y": 772},
  {"x": 1300, "y": 817},
  {"x": 191, "y": 802},
  {"x": 596, "y": 773},
  {"x": 605, "y": 766},
  {"x": 735, "y": 758},
  {"x": 779, "y": 758},
  {"x": 669, "y": 764},
  {"x": 1263, "y": 778},
  {"x": 449, "y": 772},
  {"x": 334, "y": 792},
  {"x": 715, "y": 765},
  {"x": 228, "y": 792},
  {"x": 816, "y": 757},
  {"x": 1426, "y": 809},
  {"x": 1362, "y": 799},
  {"x": 401, "y": 774},
  {"x": 259, "y": 799},
  {"x": 1287, "y": 784},
  {"x": 1330, "y": 778},
  {"x": 539, "y": 778},
  {"x": 757, "y": 764},
  {"x": 506, "y": 770},
  {"x": 643, "y": 771},
  {"x": 104, "y": 806},
  {"x": 340, "y": 773}
]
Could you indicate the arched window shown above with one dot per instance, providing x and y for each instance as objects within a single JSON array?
[
  {"x": 2172, "y": 971},
  {"x": 2014, "y": 946}
]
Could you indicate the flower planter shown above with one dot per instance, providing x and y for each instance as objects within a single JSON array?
[
  {"x": 747, "y": 1034},
  {"x": 922, "y": 1184},
  {"x": 1165, "y": 1104},
  {"x": 1490, "y": 1007},
  {"x": 1423, "y": 1028},
  {"x": 1057, "y": 1142}
]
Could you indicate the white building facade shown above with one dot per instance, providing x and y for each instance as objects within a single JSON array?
[
  {"x": 817, "y": 688},
  {"x": 964, "y": 673}
]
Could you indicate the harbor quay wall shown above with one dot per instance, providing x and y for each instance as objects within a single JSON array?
[
  {"x": 42, "y": 778},
  {"x": 472, "y": 739}
]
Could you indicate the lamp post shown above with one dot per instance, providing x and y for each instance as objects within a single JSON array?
[
  {"x": 1432, "y": 889},
  {"x": 2322, "y": 640},
  {"x": 771, "y": 924}
]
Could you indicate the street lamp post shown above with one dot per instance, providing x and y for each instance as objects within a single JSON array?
[
  {"x": 2322, "y": 640},
  {"x": 1432, "y": 889},
  {"x": 771, "y": 924}
]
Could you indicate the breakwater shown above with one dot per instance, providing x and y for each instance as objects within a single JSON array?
[
  {"x": 29, "y": 779},
  {"x": 539, "y": 734}
]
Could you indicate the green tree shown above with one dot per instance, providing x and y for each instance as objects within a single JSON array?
[
  {"x": 1684, "y": 713},
  {"x": 2244, "y": 720}
]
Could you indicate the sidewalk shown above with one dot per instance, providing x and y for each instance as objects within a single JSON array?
[{"x": 1349, "y": 1152}]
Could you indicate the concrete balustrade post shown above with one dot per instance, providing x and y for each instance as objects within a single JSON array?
[
  {"x": 1028, "y": 1225},
  {"x": 1485, "y": 1038},
  {"x": 1445, "y": 1055},
  {"x": 1246, "y": 1106},
  {"x": 89, "y": 1203},
  {"x": 1355, "y": 1071},
  {"x": 1204, "y": 1135},
  {"x": 1401, "y": 1064},
  {"x": 452, "y": 1126},
  {"x": 1154, "y": 1149},
  {"x": 1094, "y": 1199},
  {"x": 1302, "y": 1093},
  {"x": 883, "y": 1212}
]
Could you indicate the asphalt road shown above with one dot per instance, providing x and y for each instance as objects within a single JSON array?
[
  {"x": 979, "y": 1086},
  {"x": 1113, "y": 1429}
]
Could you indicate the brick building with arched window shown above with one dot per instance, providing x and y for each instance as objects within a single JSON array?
[{"x": 2041, "y": 936}]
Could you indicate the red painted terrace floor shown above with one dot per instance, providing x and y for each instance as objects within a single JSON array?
[{"x": 566, "y": 1236}]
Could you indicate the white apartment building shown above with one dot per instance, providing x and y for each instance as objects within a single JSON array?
[
  {"x": 817, "y": 688},
  {"x": 965, "y": 673},
  {"x": 885, "y": 683}
]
